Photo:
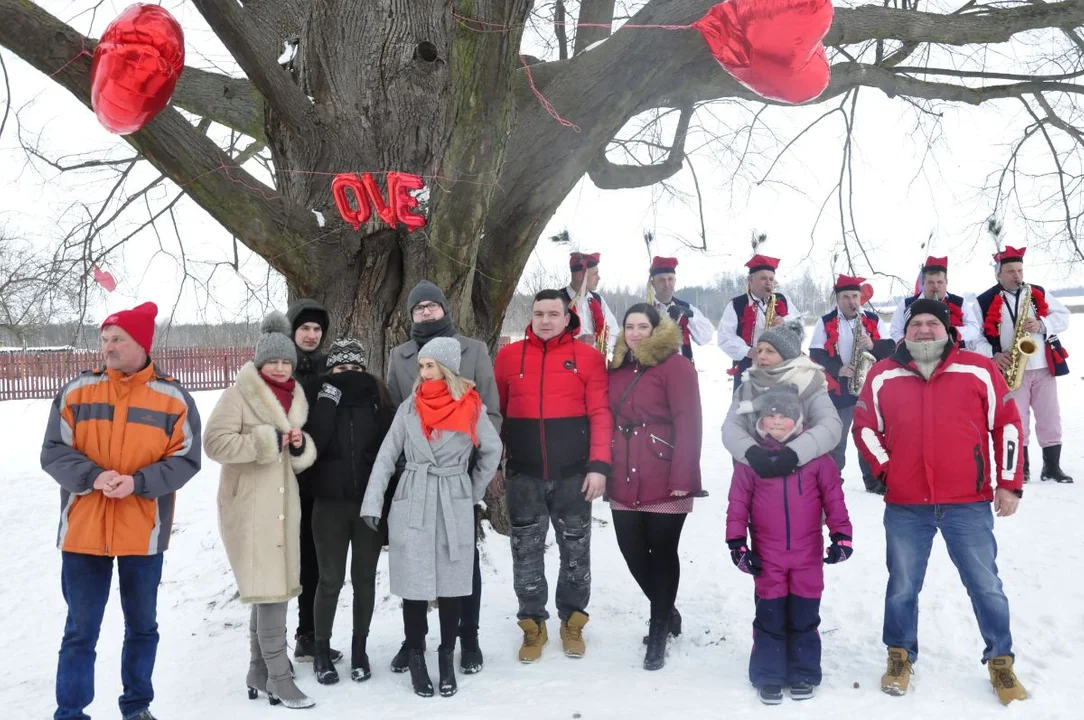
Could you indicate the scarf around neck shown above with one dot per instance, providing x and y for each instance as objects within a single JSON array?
[
  {"x": 438, "y": 410},
  {"x": 422, "y": 333},
  {"x": 926, "y": 355},
  {"x": 283, "y": 391}
]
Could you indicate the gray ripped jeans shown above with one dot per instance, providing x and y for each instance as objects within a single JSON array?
[{"x": 532, "y": 504}]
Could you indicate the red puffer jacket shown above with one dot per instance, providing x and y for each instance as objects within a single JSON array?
[
  {"x": 932, "y": 437},
  {"x": 656, "y": 441},
  {"x": 557, "y": 421}
]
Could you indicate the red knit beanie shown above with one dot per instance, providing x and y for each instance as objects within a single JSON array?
[{"x": 137, "y": 322}]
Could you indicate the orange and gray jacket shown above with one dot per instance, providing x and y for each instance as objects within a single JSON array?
[{"x": 144, "y": 425}]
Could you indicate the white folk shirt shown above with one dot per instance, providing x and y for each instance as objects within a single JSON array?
[
  {"x": 1056, "y": 321},
  {"x": 587, "y": 322},
  {"x": 846, "y": 335},
  {"x": 700, "y": 328},
  {"x": 728, "y": 338},
  {"x": 970, "y": 333}
]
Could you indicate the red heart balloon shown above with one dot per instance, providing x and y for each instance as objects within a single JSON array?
[
  {"x": 105, "y": 279},
  {"x": 773, "y": 47},
  {"x": 867, "y": 293},
  {"x": 135, "y": 68}
]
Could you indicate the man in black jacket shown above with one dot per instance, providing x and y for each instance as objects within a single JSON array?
[{"x": 310, "y": 321}]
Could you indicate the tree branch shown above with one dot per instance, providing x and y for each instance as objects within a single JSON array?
[
  {"x": 600, "y": 15},
  {"x": 254, "y": 46},
  {"x": 263, "y": 220},
  {"x": 608, "y": 175},
  {"x": 232, "y": 102}
]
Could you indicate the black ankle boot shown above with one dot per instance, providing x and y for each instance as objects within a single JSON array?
[
  {"x": 419, "y": 673},
  {"x": 1027, "y": 466},
  {"x": 446, "y": 665},
  {"x": 322, "y": 666},
  {"x": 1052, "y": 465},
  {"x": 470, "y": 655},
  {"x": 655, "y": 657},
  {"x": 675, "y": 625},
  {"x": 359, "y": 660}
]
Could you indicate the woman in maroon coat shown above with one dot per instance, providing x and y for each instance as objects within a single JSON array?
[{"x": 655, "y": 398}]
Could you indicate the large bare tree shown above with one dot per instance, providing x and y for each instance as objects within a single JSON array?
[{"x": 440, "y": 89}]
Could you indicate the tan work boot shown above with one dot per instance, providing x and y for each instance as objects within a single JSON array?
[
  {"x": 1007, "y": 687},
  {"x": 572, "y": 635},
  {"x": 897, "y": 678},
  {"x": 534, "y": 637}
]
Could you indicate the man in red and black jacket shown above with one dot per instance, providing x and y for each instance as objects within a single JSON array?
[
  {"x": 925, "y": 421},
  {"x": 557, "y": 432}
]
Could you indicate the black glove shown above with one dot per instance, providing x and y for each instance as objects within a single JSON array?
[
  {"x": 329, "y": 392},
  {"x": 676, "y": 312},
  {"x": 744, "y": 559},
  {"x": 761, "y": 460},
  {"x": 840, "y": 549},
  {"x": 786, "y": 461},
  {"x": 371, "y": 522}
]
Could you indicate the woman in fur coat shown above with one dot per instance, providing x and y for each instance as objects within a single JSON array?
[
  {"x": 254, "y": 432},
  {"x": 655, "y": 399}
]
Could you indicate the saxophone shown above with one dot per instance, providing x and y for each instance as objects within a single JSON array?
[
  {"x": 769, "y": 315},
  {"x": 1023, "y": 347},
  {"x": 861, "y": 360}
]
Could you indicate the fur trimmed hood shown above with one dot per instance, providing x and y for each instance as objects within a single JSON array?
[
  {"x": 664, "y": 342},
  {"x": 263, "y": 402}
]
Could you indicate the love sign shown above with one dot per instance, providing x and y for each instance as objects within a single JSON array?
[{"x": 399, "y": 209}]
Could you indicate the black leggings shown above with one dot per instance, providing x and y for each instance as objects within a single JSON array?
[
  {"x": 416, "y": 625},
  {"x": 649, "y": 542}
]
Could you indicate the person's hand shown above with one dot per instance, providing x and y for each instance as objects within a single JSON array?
[
  {"x": 1032, "y": 325},
  {"x": 839, "y": 550},
  {"x": 846, "y": 371},
  {"x": 1005, "y": 502},
  {"x": 865, "y": 343},
  {"x": 679, "y": 493},
  {"x": 752, "y": 354},
  {"x": 676, "y": 312},
  {"x": 371, "y": 522},
  {"x": 786, "y": 461},
  {"x": 296, "y": 437},
  {"x": 496, "y": 485},
  {"x": 123, "y": 486},
  {"x": 743, "y": 558},
  {"x": 593, "y": 486},
  {"x": 106, "y": 480},
  {"x": 1003, "y": 360},
  {"x": 762, "y": 461}
]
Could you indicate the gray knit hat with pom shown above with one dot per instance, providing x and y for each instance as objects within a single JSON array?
[
  {"x": 275, "y": 342},
  {"x": 445, "y": 350},
  {"x": 785, "y": 341}
]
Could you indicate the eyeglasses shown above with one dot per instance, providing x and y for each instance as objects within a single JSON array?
[{"x": 425, "y": 308}]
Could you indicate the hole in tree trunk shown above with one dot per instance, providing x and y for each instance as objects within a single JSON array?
[{"x": 426, "y": 51}]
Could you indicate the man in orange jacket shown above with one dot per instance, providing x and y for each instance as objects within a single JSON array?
[{"x": 121, "y": 440}]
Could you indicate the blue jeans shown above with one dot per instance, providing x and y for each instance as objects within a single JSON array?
[
  {"x": 968, "y": 530},
  {"x": 85, "y": 580}
]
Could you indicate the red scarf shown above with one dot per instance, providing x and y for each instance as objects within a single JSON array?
[
  {"x": 283, "y": 391},
  {"x": 598, "y": 319},
  {"x": 438, "y": 410},
  {"x": 831, "y": 331}
]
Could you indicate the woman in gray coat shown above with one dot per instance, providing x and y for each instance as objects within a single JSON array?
[
  {"x": 780, "y": 362},
  {"x": 431, "y": 524}
]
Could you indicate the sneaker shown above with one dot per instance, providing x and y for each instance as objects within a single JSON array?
[
  {"x": 897, "y": 677},
  {"x": 801, "y": 690},
  {"x": 535, "y": 638},
  {"x": 572, "y": 635},
  {"x": 1003, "y": 678},
  {"x": 771, "y": 694}
]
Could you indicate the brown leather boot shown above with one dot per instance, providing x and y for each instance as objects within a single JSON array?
[
  {"x": 572, "y": 635},
  {"x": 897, "y": 678},
  {"x": 534, "y": 638},
  {"x": 1003, "y": 678}
]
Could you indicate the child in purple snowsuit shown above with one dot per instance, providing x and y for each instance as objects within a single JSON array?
[{"x": 785, "y": 514}]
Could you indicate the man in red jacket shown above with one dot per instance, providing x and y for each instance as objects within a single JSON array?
[
  {"x": 557, "y": 431},
  {"x": 924, "y": 422}
]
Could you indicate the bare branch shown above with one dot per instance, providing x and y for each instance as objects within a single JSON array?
[
  {"x": 7, "y": 95},
  {"x": 608, "y": 175},
  {"x": 232, "y": 102},
  {"x": 596, "y": 17},
  {"x": 560, "y": 30}
]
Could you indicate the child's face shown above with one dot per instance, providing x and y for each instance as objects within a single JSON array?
[
  {"x": 429, "y": 370},
  {"x": 778, "y": 426}
]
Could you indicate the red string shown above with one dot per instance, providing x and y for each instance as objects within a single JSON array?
[
  {"x": 82, "y": 52},
  {"x": 546, "y": 105}
]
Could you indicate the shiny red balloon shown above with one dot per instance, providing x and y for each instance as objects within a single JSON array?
[
  {"x": 135, "y": 68},
  {"x": 773, "y": 47},
  {"x": 867, "y": 293},
  {"x": 405, "y": 204}
]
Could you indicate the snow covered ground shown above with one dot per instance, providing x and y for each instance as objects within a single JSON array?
[{"x": 203, "y": 653}]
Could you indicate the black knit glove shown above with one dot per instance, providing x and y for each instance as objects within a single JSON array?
[
  {"x": 840, "y": 549},
  {"x": 786, "y": 461},
  {"x": 743, "y": 558},
  {"x": 761, "y": 460},
  {"x": 676, "y": 312}
]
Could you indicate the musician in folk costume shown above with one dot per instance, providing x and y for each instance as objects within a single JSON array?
[
  {"x": 744, "y": 316},
  {"x": 692, "y": 323},
  {"x": 1037, "y": 393},
  {"x": 963, "y": 315},
  {"x": 838, "y": 337},
  {"x": 596, "y": 318}
]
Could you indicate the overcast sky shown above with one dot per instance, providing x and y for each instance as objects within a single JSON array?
[{"x": 907, "y": 185}]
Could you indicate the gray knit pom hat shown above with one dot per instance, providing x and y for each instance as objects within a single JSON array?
[
  {"x": 445, "y": 350},
  {"x": 785, "y": 341},
  {"x": 275, "y": 342},
  {"x": 781, "y": 400}
]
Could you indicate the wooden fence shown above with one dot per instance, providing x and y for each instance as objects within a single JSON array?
[{"x": 25, "y": 375}]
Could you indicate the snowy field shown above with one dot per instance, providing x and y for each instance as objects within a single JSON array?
[{"x": 203, "y": 654}]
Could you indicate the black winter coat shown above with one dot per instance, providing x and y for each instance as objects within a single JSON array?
[{"x": 347, "y": 424}]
